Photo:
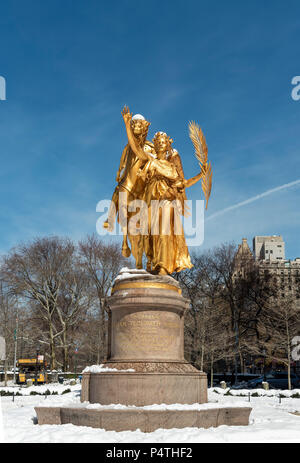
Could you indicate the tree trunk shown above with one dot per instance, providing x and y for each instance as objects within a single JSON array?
[
  {"x": 66, "y": 351},
  {"x": 5, "y": 371},
  {"x": 202, "y": 355},
  {"x": 241, "y": 361},
  {"x": 289, "y": 355},
  {"x": 211, "y": 370},
  {"x": 102, "y": 333},
  {"x": 236, "y": 353},
  {"x": 289, "y": 368},
  {"x": 52, "y": 349}
]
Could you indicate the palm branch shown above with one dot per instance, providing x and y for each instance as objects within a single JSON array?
[
  {"x": 199, "y": 142},
  {"x": 207, "y": 183},
  {"x": 198, "y": 139}
]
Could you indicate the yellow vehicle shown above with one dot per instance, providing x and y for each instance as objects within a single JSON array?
[{"x": 32, "y": 368}]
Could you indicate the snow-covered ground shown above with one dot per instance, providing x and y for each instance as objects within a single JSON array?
[{"x": 270, "y": 420}]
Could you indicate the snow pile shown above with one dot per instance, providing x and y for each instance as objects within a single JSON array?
[
  {"x": 97, "y": 406},
  {"x": 126, "y": 272},
  {"x": 195, "y": 406},
  {"x": 101, "y": 369},
  {"x": 294, "y": 393},
  {"x": 40, "y": 389},
  {"x": 10, "y": 382},
  {"x": 270, "y": 421}
]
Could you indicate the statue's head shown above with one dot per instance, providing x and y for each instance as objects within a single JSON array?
[
  {"x": 139, "y": 125},
  {"x": 162, "y": 144}
]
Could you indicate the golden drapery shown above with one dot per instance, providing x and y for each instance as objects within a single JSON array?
[{"x": 165, "y": 244}]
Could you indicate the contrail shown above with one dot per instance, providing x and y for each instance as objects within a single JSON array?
[{"x": 254, "y": 198}]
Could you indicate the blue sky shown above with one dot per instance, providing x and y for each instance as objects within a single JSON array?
[{"x": 70, "y": 67}]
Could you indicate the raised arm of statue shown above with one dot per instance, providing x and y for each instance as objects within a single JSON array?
[{"x": 138, "y": 150}]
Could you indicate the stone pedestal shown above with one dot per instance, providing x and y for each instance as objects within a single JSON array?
[
  {"x": 146, "y": 336},
  {"x": 145, "y": 366}
]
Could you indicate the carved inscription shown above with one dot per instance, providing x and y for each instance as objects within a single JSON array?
[{"x": 154, "y": 332}]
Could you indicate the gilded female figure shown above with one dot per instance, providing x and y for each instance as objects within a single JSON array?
[{"x": 165, "y": 245}]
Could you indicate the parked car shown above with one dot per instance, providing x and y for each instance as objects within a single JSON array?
[{"x": 276, "y": 380}]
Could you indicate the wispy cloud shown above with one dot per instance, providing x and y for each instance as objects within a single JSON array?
[{"x": 254, "y": 198}]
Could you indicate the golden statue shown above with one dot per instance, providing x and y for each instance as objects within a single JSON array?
[
  {"x": 153, "y": 173},
  {"x": 130, "y": 185}
]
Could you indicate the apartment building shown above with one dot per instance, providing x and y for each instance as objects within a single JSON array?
[{"x": 269, "y": 255}]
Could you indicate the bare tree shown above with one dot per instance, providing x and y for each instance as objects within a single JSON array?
[
  {"x": 278, "y": 326},
  {"x": 225, "y": 307},
  {"x": 72, "y": 304},
  {"x": 36, "y": 272},
  {"x": 102, "y": 263},
  {"x": 207, "y": 323},
  {"x": 8, "y": 316}
]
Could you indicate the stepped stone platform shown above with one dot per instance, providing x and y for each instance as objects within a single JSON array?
[
  {"x": 145, "y": 364},
  {"x": 144, "y": 420}
]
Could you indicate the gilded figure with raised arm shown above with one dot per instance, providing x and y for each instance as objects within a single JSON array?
[
  {"x": 164, "y": 183},
  {"x": 130, "y": 185}
]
